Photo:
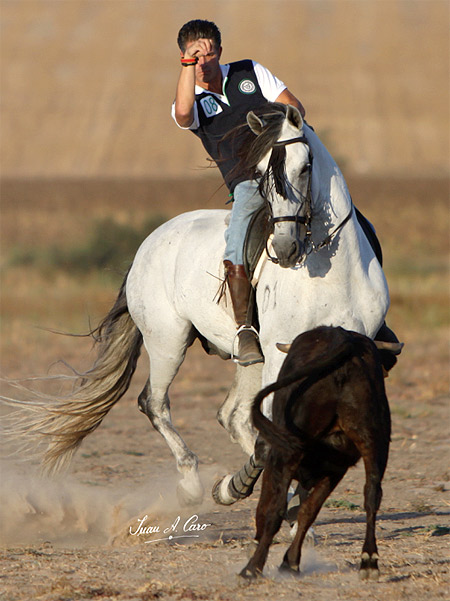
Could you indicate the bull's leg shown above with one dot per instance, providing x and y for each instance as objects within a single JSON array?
[
  {"x": 270, "y": 511},
  {"x": 307, "y": 514},
  {"x": 372, "y": 500}
]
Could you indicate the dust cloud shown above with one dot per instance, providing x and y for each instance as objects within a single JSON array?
[{"x": 35, "y": 509}]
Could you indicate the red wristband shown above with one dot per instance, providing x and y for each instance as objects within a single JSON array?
[{"x": 186, "y": 62}]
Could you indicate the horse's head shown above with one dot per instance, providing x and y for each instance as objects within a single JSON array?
[{"x": 285, "y": 166}]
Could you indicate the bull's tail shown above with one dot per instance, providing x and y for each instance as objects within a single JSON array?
[
  {"x": 280, "y": 436},
  {"x": 63, "y": 423}
]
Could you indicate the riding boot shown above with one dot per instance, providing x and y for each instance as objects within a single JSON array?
[{"x": 249, "y": 351}]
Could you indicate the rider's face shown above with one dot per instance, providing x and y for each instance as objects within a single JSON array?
[{"x": 207, "y": 70}]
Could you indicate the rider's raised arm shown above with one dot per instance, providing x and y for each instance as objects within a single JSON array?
[{"x": 185, "y": 96}]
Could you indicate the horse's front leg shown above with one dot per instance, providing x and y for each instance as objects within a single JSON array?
[
  {"x": 230, "y": 489},
  {"x": 234, "y": 414}
]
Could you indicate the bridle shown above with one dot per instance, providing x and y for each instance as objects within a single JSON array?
[{"x": 305, "y": 220}]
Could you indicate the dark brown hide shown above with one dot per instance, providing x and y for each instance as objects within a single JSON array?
[{"x": 329, "y": 409}]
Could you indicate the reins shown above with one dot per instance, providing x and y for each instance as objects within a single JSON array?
[{"x": 329, "y": 238}]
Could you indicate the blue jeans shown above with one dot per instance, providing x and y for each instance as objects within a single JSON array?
[{"x": 247, "y": 201}]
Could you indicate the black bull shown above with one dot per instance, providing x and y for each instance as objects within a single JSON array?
[{"x": 329, "y": 409}]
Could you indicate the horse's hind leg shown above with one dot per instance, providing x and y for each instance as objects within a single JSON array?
[{"x": 165, "y": 360}]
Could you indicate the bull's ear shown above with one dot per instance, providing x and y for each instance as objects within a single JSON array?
[
  {"x": 294, "y": 117},
  {"x": 255, "y": 123},
  {"x": 284, "y": 348}
]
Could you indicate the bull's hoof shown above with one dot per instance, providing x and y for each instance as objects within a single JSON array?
[
  {"x": 220, "y": 492},
  {"x": 285, "y": 568},
  {"x": 248, "y": 575},
  {"x": 368, "y": 569}
]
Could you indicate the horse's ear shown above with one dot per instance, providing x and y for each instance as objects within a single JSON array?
[
  {"x": 294, "y": 117},
  {"x": 255, "y": 123}
]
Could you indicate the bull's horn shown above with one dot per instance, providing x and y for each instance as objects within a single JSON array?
[
  {"x": 284, "y": 348},
  {"x": 393, "y": 347}
]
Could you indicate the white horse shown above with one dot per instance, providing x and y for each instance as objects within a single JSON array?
[{"x": 324, "y": 273}]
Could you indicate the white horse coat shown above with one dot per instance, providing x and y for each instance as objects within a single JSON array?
[
  {"x": 173, "y": 283},
  {"x": 170, "y": 298}
]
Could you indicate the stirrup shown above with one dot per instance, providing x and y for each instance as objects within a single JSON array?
[{"x": 240, "y": 329}]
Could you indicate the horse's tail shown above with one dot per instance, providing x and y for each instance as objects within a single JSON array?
[
  {"x": 282, "y": 436},
  {"x": 63, "y": 423}
]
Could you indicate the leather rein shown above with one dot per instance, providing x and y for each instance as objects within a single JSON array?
[{"x": 305, "y": 220}]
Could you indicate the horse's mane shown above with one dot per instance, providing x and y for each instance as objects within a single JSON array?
[{"x": 252, "y": 148}]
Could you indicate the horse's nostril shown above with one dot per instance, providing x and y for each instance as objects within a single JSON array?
[
  {"x": 294, "y": 248},
  {"x": 295, "y": 251}
]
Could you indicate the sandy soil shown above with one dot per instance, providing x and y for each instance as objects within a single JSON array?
[
  {"x": 70, "y": 538},
  {"x": 78, "y": 537}
]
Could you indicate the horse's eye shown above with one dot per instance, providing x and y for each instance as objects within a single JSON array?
[{"x": 305, "y": 169}]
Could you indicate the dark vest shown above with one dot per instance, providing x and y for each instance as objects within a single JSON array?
[{"x": 218, "y": 118}]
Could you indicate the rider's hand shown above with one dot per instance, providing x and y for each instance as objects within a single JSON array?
[{"x": 200, "y": 47}]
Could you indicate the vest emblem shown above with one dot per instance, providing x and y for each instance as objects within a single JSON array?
[{"x": 247, "y": 86}]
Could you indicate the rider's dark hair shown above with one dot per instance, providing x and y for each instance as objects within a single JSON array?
[{"x": 196, "y": 29}]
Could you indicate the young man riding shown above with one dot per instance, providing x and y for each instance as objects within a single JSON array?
[{"x": 211, "y": 100}]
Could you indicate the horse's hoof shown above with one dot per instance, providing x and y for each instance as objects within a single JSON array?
[
  {"x": 220, "y": 492},
  {"x": 189, "y": 494},
  {"x": 369, "y": 567}
]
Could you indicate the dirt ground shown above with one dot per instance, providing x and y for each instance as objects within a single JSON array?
[{"x": 78, "y": 537}]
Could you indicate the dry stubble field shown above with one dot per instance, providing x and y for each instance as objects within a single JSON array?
[{"x": 69, "y": 538}]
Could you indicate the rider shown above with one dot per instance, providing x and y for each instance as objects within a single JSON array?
[{"x": 211, "y": 100}]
